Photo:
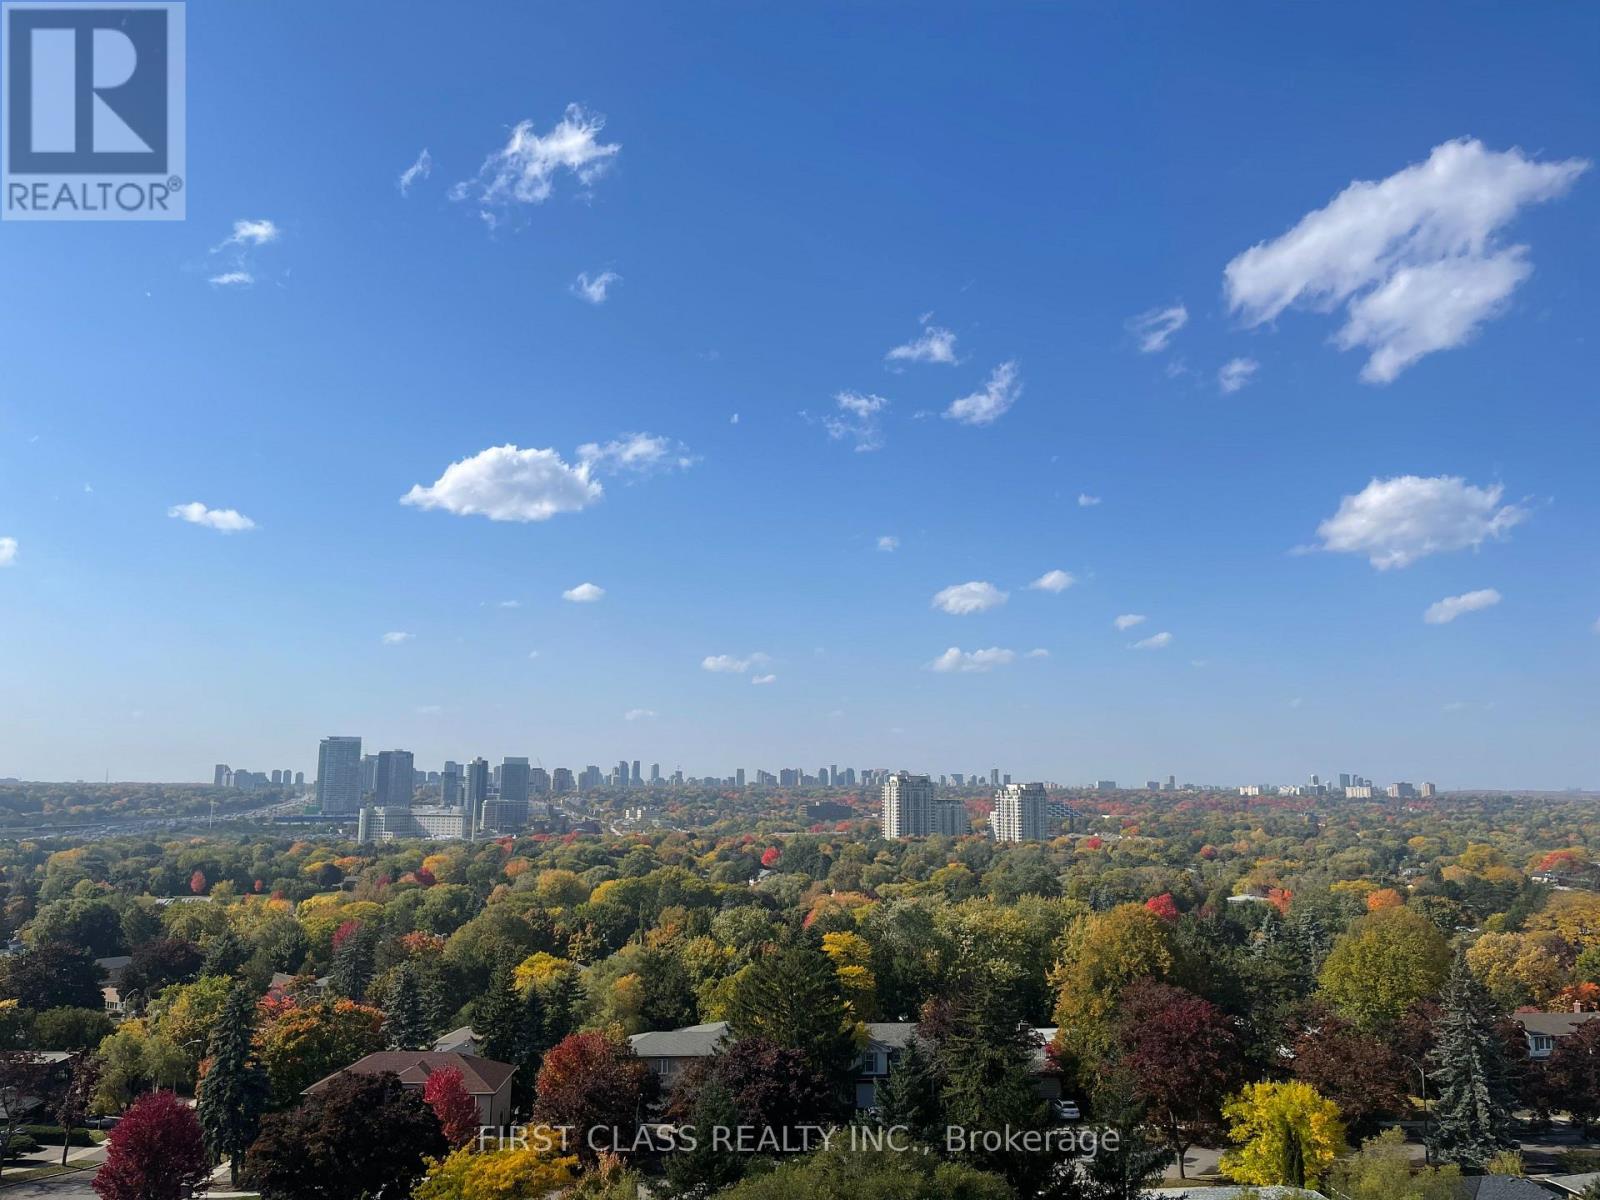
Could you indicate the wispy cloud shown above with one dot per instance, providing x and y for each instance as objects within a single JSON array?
[
  {"x": 1442, "y": 612},
  {"x": 963, "y": 599},
  {"x": 1155, "y": 328},
  {"x": 1156, "y": 641},
  {"x": 584, "y": 593},
  {"x": 934, "y": 344},
  {"x": 972, "y": 661},
  {"x": 1235, "y": 373},
  {"x": 640, "y": 714},
  {"x": 1087, "y": 501},
  {"x": 992, "y": 402},
  {"x": 250, "y": 234},
  {"x": 396, "y": 637},
  {"x": 1415, "y": 259},
  {"x": 594, "y": 290},
  {"x": 1128, "y": 620},
  {"x": 729, "y": 664},
  {"x": 8, "y": 551},
  {"x": 1397, "y": 521},
  {"x": 888, "y": 543},
  {"x": 762, "y": 680},
  {"x": 1053, "y": 581},
  {"x": 223, "y": 520},
  {"x": 232, "y": 279},
  {"x": 857, "y": 418},
  {"x": 525, "y": 169},
  {"x": 420, "y": 169}
]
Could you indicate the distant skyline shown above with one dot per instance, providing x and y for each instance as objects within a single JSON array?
[{"x": 1161, "y": 390}]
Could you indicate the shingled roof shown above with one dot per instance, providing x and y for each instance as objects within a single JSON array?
[{"x": 479, "y": 1076}]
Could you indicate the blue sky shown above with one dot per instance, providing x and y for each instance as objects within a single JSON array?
[{"x": 793, "y": 194}]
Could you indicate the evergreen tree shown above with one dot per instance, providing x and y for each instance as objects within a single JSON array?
[
  {"x": 407, "y": 1024},
  {"x": 710, "y": 1166},
  {"x": 791, "y": 997},
  {"x": 354, "y": 963},
  {"x": 1472, "y": 1115},
  {"x": 235, "y": 1088},
  {"x": 909, "y": 1098},
  {"x": 1121, "y": 1171},
  {"x": 561, "y": 1000},
  {"x": 531, "y": 1043},
  {"x": 498, "y": 1019}
]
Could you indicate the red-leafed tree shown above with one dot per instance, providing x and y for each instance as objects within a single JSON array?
[
  {"x": 1164, "y": 906},
  {"x": 457, "y": 1111},
  {"x": 1181, "y": 1056},
  {"x": 157, "y": 1152},
  {"x": 587, "y": 1081},
  {"x": 1363, "y": 1075},
  {"x": 770, "y": 856},
  {"x": 1572, "y": 1074},
  {"x": 197, "y": 882}
]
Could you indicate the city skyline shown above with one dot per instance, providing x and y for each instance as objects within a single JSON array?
[{"x": 1224, "y": 409}]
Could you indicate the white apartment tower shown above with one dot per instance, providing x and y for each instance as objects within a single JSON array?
[
  {"x": 910, "y": 810},
  {"x": 1021, "y": 813}
]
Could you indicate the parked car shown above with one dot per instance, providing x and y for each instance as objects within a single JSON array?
[{"x": 1065, "y": 1110}]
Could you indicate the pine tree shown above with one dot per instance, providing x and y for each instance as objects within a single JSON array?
[
  {"x": 407, "y": 1024},
  {"x": 1472, "y": 1115},
  {"x": 1120, "y": 1170},
  {"x": 498, "y": 1019},
  {"x": 711, "y": 1165},
  {"x": 792, "y": 997},
  {"x": 235, "y": 1088},
  {"x": 561, "y": 1001},
  {"x": 531, "y": 1043},
  {"x": 909, "y": 1097},
  {"x": 354, "y": 963}
]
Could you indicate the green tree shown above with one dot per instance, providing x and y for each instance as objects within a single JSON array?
[
  {"x": 909, "y": 1098},
  {"x": 1287, "y": 1134},
  {"x": 1382, "y": 1170},
  {"x": 1123, "y": 1169},
  {"x": 1387, "y": 962},
  {"x": 1472, "y": 1114},
  {"x": 791, "y": 996},
  {"x": 498, "y": 1015},
  {"x": 234, "y": 1091},
  {"x": 406, "y": 1023},
  {"x": 710, "y": 1165}
]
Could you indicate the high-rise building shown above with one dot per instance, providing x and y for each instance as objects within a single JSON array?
[
  {"x": 477, "y": 789},
  {"x": 450, "y": 785},
  {"x": 369, "y": 774},
  {"x": 299, "y": 779},
  {"x": 910, "y": 810},
  {"x": 277, "y": 779},
  {"x": 994, "y": 776},
  {"x": 1020, "y": 813},
  {"x": 395, "y": 780},
  {"x": 221, "y": 775},
  {"x": 514, "y": 779},
  {"x": 655, "y": 773},
  {"x": 1428, "y": 790},
  {"x": 636, "y": 780},
  {"x": 339, "y": 770},
  {"x": 538, "y": 782},
  {"x": 561, "y": 781},
  {"x": 738, "y": 777}
]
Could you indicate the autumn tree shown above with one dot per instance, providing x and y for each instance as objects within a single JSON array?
[
  {"x": 234, "y": 1091},
  {"x": 301, "y": 1043},
  {"x": 1572, "y": 1074},
  {"x": 1287, "y": 1134},
  {"x": 457, "y": 1112},
  {"x": 24, "y": 1076},
  {"x": 588, "y": 1081},
  {"x": 1382, "y": 1170},
  {"x": 1472, "y": 1114},
  {"x": 72, "y": 1110},
  {"x": 52, "y": 975},
  {"x": 791, "y": 997},
  {"x": 1362, "y": 1074},
  {"x": 520, "y": 1173},
  {"x": 1103, "y": 954},
  {"x": 156, "y": 1152},
  {"x": 1181, "y": 1056},
  {"x": 363, "y": 1137},
  {"x": 1388, "y": 961}
]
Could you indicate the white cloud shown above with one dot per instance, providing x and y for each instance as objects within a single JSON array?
[
  {"x": 1087, "y": 501},
  {"x": 963, "y": 599},
  {"x": 1128, "y": 620},
  {"x": 763, "y": 679},
  {"x": 1442, "y": 612},
  {"x": 728, "y": 664},
  {"x": 1415, "y": 258},
  {"x": 232, "y": 279},
  {"x": 1394, "y": 522},
  {"x": 1040, "y": 652},
  {"x": 1235, "y": 373},
  {"x": 524, "y": 170},
  {"x": 968, "y": 661},
  {"x": 989, "y": 405},
  {"x": 223, "y": 520},
  {"x": 507, "y": 483},
  {"x": 250, "y": 234},
  {"x": 533, "y": 654},
  {"x": 396, "y": 637},
  {"x": 584, "y": 593},
  {"x": 888, "y": 543},
  {"x": 1155, "y": 328},
  {"x": 420, "y": 169},
  {"x": 8, "y": 551},
  {"x": 933, "y": 345},
  {"x": 859, "y": 419},
  {"x": 594, "y": 290},
  {"x": 1156, "y": 641},
  {"x": 429, "y": 710},
  {"x": 733, "y": 420},
  {"x": 640, "y": 714},
  {"x": 509, "y": 604},
  {"x": 638, "y": 453},
  {"x": 1053, "y": 581}
]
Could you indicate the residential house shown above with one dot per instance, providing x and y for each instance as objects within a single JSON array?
[
  {"x": 488, "y": 1082},
  {"x": 1544, "y": 1030}
]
